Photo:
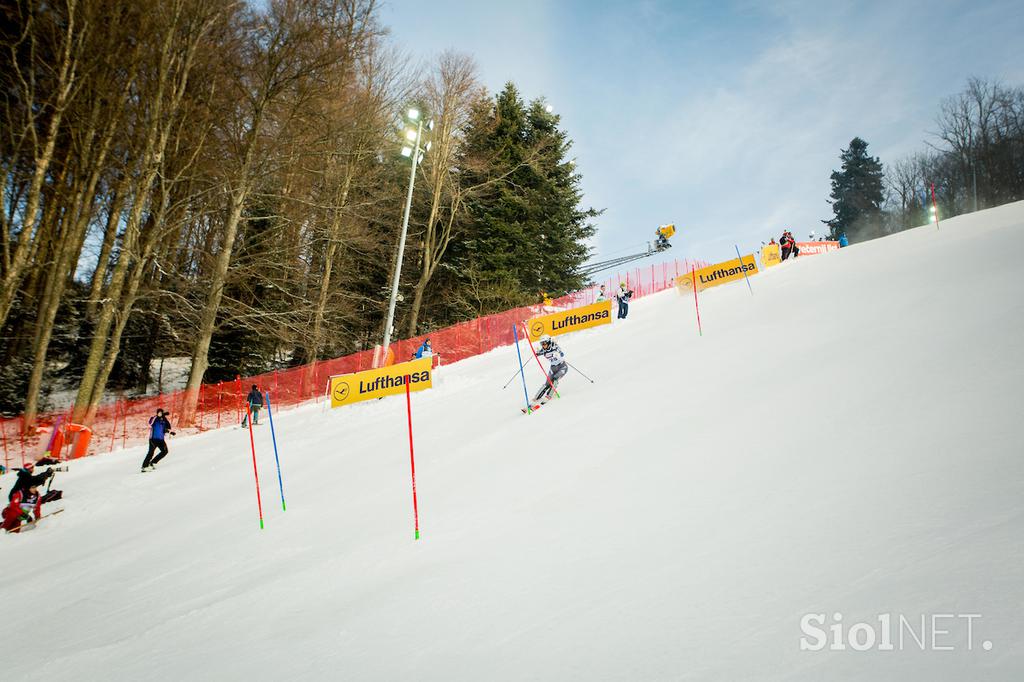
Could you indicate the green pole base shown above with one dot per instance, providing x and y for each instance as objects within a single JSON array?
[
  {"x": 417, "y": 534},
  {"x": 261, "y": 524},
  {"x": 283, "y": 508}
]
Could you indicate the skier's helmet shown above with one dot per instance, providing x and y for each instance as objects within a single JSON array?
[{"x": 545, "y": 340}]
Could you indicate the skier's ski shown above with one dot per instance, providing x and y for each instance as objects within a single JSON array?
[{"x": 32, "y": 524}]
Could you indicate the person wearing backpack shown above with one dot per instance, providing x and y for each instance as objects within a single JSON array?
[{"x": 255, "y": 401}]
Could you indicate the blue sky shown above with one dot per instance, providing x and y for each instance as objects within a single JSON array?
[{"x": 725, "y": 118}]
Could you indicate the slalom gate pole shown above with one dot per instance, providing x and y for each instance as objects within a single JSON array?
[
  {"x": 741, "y": 267},
  {"x": 412, "y": 458},
  {"x": 273, "y": 437},
  {"x": 546, "y": 376},
  {"x": 693, "y": 281},
  {"x": 580, "y": 373},
  {"x": 510, "y": 380},
  {"x": 255, "y": 471},
  {"x": 519, "y": 354}
]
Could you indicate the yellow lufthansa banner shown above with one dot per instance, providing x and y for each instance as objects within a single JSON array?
[
  {"x": 719, "y": 273},
  {"x": 571, "y": 320},
  {"x": 377, "y": 383},
  {"x": 770, "y": 255}
]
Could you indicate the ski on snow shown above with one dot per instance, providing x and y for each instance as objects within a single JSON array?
[{"x": 32, "y": 524}]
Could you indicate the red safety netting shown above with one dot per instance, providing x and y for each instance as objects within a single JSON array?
[{"x": 125, "y": 421}]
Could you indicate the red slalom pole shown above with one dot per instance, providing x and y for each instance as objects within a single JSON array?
[
  {"x": 696, "y": 306},
  {"x": 412, "y": 457},
  {"x": 546, "y": 377},
  {"x": 255, "y": 471}
]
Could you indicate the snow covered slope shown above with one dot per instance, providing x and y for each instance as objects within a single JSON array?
[{"x": 845, "y": 440}]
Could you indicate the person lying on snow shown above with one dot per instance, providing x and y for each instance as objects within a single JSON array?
[{"x": 24, "y": 504}]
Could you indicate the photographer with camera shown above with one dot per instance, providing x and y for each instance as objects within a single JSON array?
[
  {"x": 27, "y": 478},
  {"x": 159, "y": 426}
]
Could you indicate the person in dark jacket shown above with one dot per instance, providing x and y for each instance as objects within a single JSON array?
[
  {"x": 622, "y": 296},
  {"x": 27, "y": 478},
  {"x": 159, "y": 427},
  {"x": 255, "y": 401},
  {"x": 788, "y": 244}
]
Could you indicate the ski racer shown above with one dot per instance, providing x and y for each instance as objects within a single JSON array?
[{"x": 550, "y": 351}]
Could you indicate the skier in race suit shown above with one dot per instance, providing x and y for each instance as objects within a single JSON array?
[{"x": 550, "y": 351}]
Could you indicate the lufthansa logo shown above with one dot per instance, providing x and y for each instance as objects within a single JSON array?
[
  {"x": 341, "y": 391},
  {"x": 537, "y": 328}
]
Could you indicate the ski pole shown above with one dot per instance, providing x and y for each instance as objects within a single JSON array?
[
  {"x": 519, "y": 355},
  {"x": 511, "y": 380},
  {"x": 581, "y": 373}
]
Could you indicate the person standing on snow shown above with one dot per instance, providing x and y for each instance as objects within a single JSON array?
[
  {"x": 550, "y": 351},
  {"x": 159, "y": 427},
  {"x": 601, "y": 296},
  {"x": 622, "y": 296},
  {"x": 255, "y": 401}
]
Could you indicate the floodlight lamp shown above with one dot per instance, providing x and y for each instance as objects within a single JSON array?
[
  {"x": 407, "y": 151},
  {"x": 410, "y": 135},
  {"x": 414, "y": 114},
  {"x": 428, "y": 145},
  {"x": 430, "y": 124}
]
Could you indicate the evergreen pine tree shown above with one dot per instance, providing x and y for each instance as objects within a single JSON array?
[
  {"x": 857, "y": 193},
  {"x": 527, "y": 228}
]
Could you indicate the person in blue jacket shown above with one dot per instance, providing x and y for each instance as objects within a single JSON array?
[
  {"x": 159, "y": 427},
  {"x": 424, "y": 351},
  {"x": 843, "y": 241}
]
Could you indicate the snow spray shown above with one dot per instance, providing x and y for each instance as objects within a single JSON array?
[
  {"x": 412, "y": 458},
  {"x": 741, "y": 268},
  {"x": 519, "y": 354},
  {"x": 546, "y": 377},
  {"x": 255, "y": 471},
  {"x": 273, "y": 437}
]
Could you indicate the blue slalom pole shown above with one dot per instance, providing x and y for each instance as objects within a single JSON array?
[
  {"x": 273, "y": 437},
  {"x": 526, "y": 395},
  {"x": 744, "y": 272}
]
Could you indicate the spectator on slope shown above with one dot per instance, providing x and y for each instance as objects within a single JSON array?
[
  {"x": 27, "y": 478},
  {"x": 25, "y": 507},
  {"x": 550, "y": 351},
  {"x": 788, "y": 243},
  {"x": 601, "y": 296},
  {"x": 424, "y": 351},
  {"x": 159, "y": 427},
  {"x": 622, "y": 296},
  {"x": 255, "y": 401},
  {"x": 843, "y": 241}
]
